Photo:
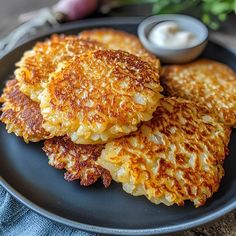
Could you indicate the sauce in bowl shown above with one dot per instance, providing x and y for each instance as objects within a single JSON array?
[
  {"x": 173, "y": 38},
  {"x": 170, "y": 35}
]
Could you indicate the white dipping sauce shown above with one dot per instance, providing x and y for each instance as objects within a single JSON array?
[{"x": 170, "y": 35}]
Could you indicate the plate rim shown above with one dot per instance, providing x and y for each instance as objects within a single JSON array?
[
  {"x": 115, "y": 231},
  {"x": 98, "y": 22}
]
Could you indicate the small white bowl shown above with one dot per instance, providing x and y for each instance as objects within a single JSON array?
[{"x": 180, "y": 55}]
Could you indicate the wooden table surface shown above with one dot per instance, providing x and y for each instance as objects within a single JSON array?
[{"x": 9, "y": 12}]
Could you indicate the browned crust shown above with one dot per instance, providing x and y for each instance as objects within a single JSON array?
[
  {"x": 97, "y": 89},
  {"x": 63, "y": 84},
  {"x": 204, "y": 81},
  {"x": 120, "y": 40},
  {"x": 36, "y": 64},
  {"x": 194, "y": 126},
  {"x": 78, "y": 160},
  {"x": 20, "y": 114},
  {"x": 154, "y": 156}
]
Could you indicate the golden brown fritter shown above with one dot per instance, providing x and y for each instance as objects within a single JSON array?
[
  {"x": 120, "y": 40},
  {"x": 78, "y": 160},
  {"x": 36, "y": 65},
  {"x": 205, "y": 81},
  {"x": 176, "y": 156},
  {"x": 21, "y": 115},
  {"x": 99, "y": 96}
]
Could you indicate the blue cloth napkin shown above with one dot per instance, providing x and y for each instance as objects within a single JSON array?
[{"x": 16, "y": 219}]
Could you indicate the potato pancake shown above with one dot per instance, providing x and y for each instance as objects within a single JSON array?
[
  {"x": 21, "y": 115},
  {"x": 120, "y": 40},
  {"x": 205, "y": 81},
  {"x": 176, "y": 156},
  {"x": 36, "y": 65},
  {"x": 78, "y": 160},
  {"x": 99, "y": 95}
]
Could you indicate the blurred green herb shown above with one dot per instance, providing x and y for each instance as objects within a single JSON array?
[{"x": 212, "y": 12}]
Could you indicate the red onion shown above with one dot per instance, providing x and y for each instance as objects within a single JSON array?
[{"x": 75, "y": 9}]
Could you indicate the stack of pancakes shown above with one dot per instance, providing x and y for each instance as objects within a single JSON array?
[{"x": 96, "y": 100}]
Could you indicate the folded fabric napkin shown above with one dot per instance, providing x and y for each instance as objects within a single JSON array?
[{"x": 16, "y": 219}]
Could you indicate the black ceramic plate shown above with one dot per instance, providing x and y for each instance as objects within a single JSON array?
[{"x": 24, "y": 172}]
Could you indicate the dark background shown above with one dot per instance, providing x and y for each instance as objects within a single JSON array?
[{"x": 10, "y": 10}]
